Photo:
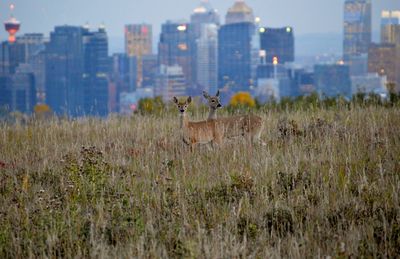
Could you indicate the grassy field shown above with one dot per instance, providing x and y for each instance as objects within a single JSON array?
[{"x": 326, "y": 184}]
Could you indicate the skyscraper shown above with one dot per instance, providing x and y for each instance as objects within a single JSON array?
[
  {"x": 33, "y": 43},
  {"x": 238, "y": 50},
  {"x": 205, "y": 21},
  {"x": 21, "y": 72},
  {"x": 138, "y": 42},
  {"x": 332, "y": 80},
  {"x": 277, "y": 42},
  {"x": 390, "y": 27},
  {"x": 357, "y": 28},
  {"x": 96, "y": 68},
  {"x": 239, "y": 12},
  {"x": 33, "y": 61},
  {"x": 11, "y": 55},
  {"x": 64, "y": 70},
  {"x": 207, "y": 58},
  {"x": 176, "y": 47},
  {"x": 236, "y": 47}
]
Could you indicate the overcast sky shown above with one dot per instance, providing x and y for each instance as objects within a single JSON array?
[{"x": 306, "y": 16}]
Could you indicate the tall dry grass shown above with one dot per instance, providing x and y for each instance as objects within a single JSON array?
[{"x": 326, "y": 184}]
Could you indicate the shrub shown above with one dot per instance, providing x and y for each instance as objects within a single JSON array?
[{"x": 151, "y": 106}]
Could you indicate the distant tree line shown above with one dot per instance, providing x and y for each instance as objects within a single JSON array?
[{"x": 240, "y": 102}]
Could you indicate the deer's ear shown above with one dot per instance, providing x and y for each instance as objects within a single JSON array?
[
  {"x": 189, "y": 99},
  {"x": 175, "y": 100},
  {"x": 217, "y": 93},
  {"x": 206, "y": 95}
]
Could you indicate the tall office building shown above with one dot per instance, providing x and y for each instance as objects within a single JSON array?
[
  {"x": 332, "y": 80},
  {"x": 176, "y": 48},
  {"x": 64, "y": 70},
  {"x": 390, "y": 27},
  {"x": 277, "y": 42},
  {"x": 236, "y": 60},
  {"x": 33, "y": 43},
  {"x": 205, "y": 21},
  {"x": 170, "y": 82},
  {"x": 34, "y": 59},
  {"x": 95, "y": 76},
  {"x": 207, "y": 58},
  {"x": 18, "y": 64},
  {"x": 11, "y": 55},
  {"x": 240, "y": 12},
  {"x": 357, "y": 28},
  {"x": 138, "y": 43},
  {"x": 22, "y": 51},
  {"x": 384, "y": 59},
  {"x": 238, "y": 50}
]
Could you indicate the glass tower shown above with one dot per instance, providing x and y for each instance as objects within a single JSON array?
[
  {"x": 236, "y": 59},
  {"x": 176, "y": 47},
  {"x": 357, "y": 28},
  {"x": 277, "y": 42},
  {"x": 205, "y": 21},
  {"x": 96, "y": 67},
  {"x": 64, "y": 70},
  {"x": 138, "y": 43}
]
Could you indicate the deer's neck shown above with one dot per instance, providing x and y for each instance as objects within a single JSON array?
[
  {"x": 212, "y": 115},
  {"x": 184, "y": 121}
]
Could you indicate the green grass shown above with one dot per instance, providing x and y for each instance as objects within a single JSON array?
[{"x": 326, "y": 184}]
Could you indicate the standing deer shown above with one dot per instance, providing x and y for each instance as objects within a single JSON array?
[
  {"x": 200, "y": 132},
  {"x": 248, "y": 126}
]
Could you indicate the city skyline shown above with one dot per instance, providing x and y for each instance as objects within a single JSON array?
[
  {"x": 82, "y": 78},
  {"x": 43, "y": 15}
]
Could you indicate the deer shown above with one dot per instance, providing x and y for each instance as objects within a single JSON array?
[
  {"x": 199, "y": 132},
  {"x": 248, "y": 126}
]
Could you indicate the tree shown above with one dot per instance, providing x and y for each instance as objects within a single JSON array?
[{"x": 242, "y": 99}]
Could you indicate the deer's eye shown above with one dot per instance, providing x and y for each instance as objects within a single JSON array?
[{"x": 213, "y": 101}]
